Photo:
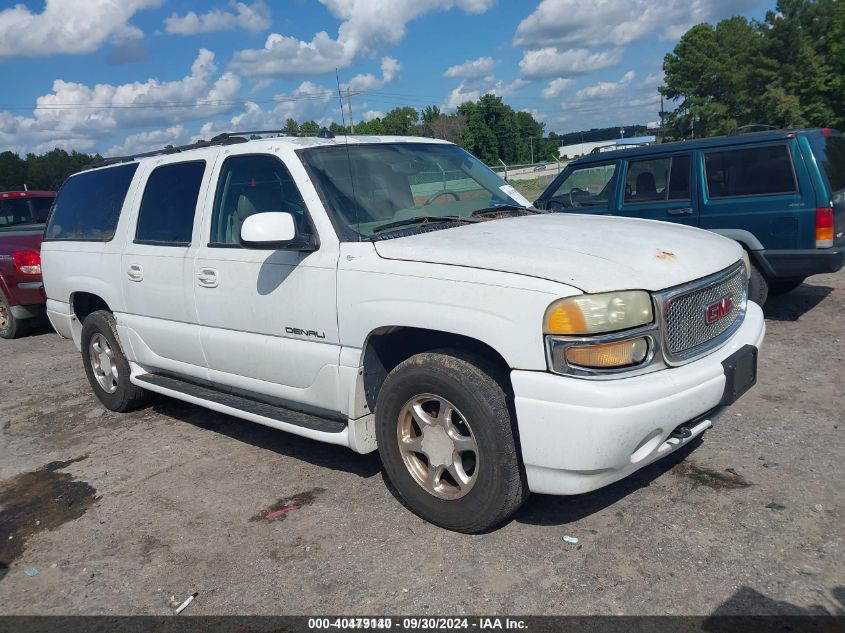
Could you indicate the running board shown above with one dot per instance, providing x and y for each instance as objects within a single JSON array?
[{"x": 296, "y": 422}]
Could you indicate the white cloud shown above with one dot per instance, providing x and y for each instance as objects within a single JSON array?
[
  {"x": 473, "y": 90},
  {"x": 369, "y": 115},
  {"x": 573, "y": 23},
  {"x": 390, "y": 68},
  {"x": 68, "y": 26},
  {"x": 551, "y": 62},
  {"x": 606, "y": 88},
  {"x": 366, "y": 25},
  {"x": 556, "y": 86},
  {"x": 148, "y": 141},
  {"x": 472, "y": 68},
  {"x": 253, "y": 17},
  {"x": 78, "y": 115}
]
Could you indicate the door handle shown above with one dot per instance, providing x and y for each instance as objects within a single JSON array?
[
  {"x": 135, "y": 272},
  {"x": 687, "y": 211},
  {"x": 207, "y": 277}
]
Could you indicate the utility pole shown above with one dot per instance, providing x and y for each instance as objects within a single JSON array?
[
  {"x": 531, "y": 138},
  {"x": 349, "y": 104}
]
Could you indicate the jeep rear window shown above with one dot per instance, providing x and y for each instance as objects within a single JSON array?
[
  {"x": 753, "y": 171},
  {"x": 88, "y": 206},
  {"x": 166, "y": 216},
  {"x": 15, "y": 211},
  {"x": 830, "y": 153}
]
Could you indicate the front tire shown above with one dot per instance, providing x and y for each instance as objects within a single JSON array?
[
  {"x": 106, "y": 365},
  {"x": 10, "y": 325},
  {"x": 446, "y": 438}
]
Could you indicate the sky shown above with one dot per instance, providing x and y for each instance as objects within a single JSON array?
[{"x": 124, "y": 76}]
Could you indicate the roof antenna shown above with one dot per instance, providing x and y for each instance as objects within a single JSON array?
[{"x": 348, "y": 161}]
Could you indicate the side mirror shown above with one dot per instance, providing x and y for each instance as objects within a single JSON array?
[{"x": 274, "y": 230}]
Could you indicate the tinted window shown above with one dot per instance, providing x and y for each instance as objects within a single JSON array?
[
  {"x": 756, "y": 171},
  {"x": 658, "y": 179},
  {"x": 15, "y": 211},
  {"x": 586, "y": 187},
  {"x": 830, "y": 153},
  {"x": 248, "y": 185},
  {"x": 167, "y": 209},
  {"x": 88, "y": 206}
]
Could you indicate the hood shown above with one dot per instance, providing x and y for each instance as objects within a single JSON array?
[{"x": 592, "y": 253}]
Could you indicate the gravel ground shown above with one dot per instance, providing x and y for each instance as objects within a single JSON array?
[{"x": 103, "y": 513}]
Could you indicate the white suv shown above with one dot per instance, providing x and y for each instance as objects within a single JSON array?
[{"x": 395, "y": 294}]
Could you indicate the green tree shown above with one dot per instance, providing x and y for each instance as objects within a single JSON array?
[
  {"x": 309, "y": 127},
  {"x": 401, "y": 121},
  {"x": 291, "y": 126},
  {"x": 12, "y": 171},
  {"x": 431, "y": 113},
  {"x": 372, "y": 127}
]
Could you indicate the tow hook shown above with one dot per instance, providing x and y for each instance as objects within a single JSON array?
[{"x": 682, "y": 432}]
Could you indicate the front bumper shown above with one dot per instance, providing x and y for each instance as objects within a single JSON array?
[{"x": 578, "y": 435}]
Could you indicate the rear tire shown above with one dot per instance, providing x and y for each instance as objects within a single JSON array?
[
  {"x": 10, "y": 325},
  {"x": 758, "y": 287},
  {"x": 446, "y": 438},
  {"x": 106, "y": 365},
  {"x": 782, "y": 286}
]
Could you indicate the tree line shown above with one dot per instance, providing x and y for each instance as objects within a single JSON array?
[{"x": 787, "y": 70}]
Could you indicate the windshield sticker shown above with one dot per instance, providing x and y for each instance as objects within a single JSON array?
[{"x": 513, "y": 193}]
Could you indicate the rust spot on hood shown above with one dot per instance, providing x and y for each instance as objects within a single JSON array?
[{"x": 665, "y": 255}]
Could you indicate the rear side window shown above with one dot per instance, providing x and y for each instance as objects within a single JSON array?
[
  {"x": 830, "y": 153},
  {"x": 753, "y": 171},
  {"x": 166, "y": 216},
  {"x": 658, "y": 179},
  {"x": 88, "y": 206}
]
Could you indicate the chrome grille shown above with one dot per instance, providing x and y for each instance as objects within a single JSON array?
[{"x": 684, "y": 311}]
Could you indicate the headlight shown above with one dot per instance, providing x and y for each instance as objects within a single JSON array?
[
  {"x": 747, "y": 263},
  {"x": 599, "y": 313}
]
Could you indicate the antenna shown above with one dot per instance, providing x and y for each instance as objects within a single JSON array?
[{"x": 348, "y": 160}]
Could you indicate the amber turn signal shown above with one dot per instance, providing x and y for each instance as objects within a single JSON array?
[{"x": 608, "y": 355}]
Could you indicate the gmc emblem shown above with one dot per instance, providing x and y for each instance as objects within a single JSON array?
[{"x": 716, "y": 311}]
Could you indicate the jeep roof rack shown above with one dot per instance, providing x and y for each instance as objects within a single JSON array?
[
  {"x": 752, "y": 127},
  {"x": 224, "y": 138}
]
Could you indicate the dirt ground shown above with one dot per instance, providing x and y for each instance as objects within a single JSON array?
[{"x": 103, "y": 513}]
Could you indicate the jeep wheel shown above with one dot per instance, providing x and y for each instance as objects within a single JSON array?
[
  {"x": 446, "y": 438},
  {"x": 10, "y": 326},
  {"x": 782, "y": 286},
  {"x": 758, "y": 287},
  {"x": 106, "y": 366}
]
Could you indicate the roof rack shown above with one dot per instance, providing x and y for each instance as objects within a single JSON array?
[
  {"x": 752, "y": 127},
  {"x": 224, "y": 138}
]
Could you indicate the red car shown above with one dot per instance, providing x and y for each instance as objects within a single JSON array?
[{"x": 22, "y": 298}]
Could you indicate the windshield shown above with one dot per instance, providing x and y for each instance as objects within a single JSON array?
[
  {"x": 24, "y": 210},
  {"x": 378, "y": 189}
]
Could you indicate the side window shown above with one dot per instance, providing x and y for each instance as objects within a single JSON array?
[
  {"x": 169, "y": 204},
  {"x": 88, "y": 206},
  {"x": 658, "y": 179},
  {"x": 754, "y": 171},
  {"x": 252, "y": 184},
  {"x": 589, "y": 186}
]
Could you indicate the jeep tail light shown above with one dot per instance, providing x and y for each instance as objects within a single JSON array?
[
  {"x": 824, "y": 227},
  {"x": 27, "y": 262}
]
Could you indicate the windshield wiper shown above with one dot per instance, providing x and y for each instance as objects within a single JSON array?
[
  {"x": 422, "y": 220},
  {"x": 504, "y": 209}
]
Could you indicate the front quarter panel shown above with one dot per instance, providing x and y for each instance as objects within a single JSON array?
[{"x": 502, "y": 310}]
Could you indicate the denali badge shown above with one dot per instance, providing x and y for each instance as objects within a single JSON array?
[
  {"x": 300, "y": 332},
  {"x": 716, "y": 311}
]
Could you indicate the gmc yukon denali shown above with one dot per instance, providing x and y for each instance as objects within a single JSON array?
[{"x": 394, "y": 294}]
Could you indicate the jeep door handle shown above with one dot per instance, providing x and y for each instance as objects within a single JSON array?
[
  {"x": 687, "y": 211},
  {"x": 135, "y": 272},
  {"x": 207, "y": 277}
]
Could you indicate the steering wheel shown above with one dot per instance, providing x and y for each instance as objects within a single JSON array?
[
  {"x": 447, "y": 192},
  {"x": 572, "y": 192}
]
